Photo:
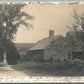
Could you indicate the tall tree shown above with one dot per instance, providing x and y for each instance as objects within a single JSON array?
[
  {"x": 11, "y": 17},
  {"x": 76, "y": 33}
]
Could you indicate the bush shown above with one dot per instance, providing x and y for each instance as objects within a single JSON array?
[
  {"x": 67, "y": 63},
  {"x": 58, "y": 60},
  {"x": 12, "y": 55}
]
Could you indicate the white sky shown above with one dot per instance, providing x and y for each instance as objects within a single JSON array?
[{"x": 47, "y": 17}]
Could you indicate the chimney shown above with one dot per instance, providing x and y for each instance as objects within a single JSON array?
[{"x": 51, "y": 33}]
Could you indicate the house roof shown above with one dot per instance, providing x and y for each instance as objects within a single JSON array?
[{"x": 44, "y": 43}]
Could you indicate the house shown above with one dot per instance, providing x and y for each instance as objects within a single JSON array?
[
  {"x": 53, "y": 47},
  {"x": 76, "y": 41}
]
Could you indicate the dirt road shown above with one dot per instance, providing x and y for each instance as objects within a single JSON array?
[{"x": 6, "y": 70}]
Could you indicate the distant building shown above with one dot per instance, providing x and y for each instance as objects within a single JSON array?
[{"x": 53, "y": 47}]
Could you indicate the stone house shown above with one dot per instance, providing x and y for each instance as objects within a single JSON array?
[{"x": 54, "y": 47}]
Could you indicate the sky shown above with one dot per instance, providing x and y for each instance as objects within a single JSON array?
[{"x": 46, "y": 17}]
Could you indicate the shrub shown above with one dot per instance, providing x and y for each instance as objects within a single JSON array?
[
  {"x": 12, "y": 55},
  {"x": 58, "y": 60},
  {"x": 67, "y": 63}
]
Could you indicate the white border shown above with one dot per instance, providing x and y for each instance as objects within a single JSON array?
[
  {"x": 49, "y": 79},
  {"x": 43, "y": 2}
]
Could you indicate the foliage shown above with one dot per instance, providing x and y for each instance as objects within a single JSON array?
[
  {"x": 12, "y": 55},
  {"x": 11, "y": 17},
  {"x": 77, "y": 25},
  {"x": 76, "y": 33}
]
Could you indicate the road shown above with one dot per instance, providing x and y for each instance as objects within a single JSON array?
[{"x": 7, "y": 71}]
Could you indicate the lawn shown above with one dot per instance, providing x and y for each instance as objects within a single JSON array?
[{"x": 43, "y": 69}]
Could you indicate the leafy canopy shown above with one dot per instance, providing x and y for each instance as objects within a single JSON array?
[
  {"x": 76, "y": 30},
  {"x": 11, "y": 17}
]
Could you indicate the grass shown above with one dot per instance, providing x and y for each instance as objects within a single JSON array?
[
  {"x": 42, "y": 69},
  {"x": 50, "y": 70}
]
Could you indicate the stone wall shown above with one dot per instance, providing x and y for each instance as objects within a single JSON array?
[{"x": 56, "y": 54}]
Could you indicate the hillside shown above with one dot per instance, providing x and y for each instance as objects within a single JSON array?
[{"x": 24, "y": 46}]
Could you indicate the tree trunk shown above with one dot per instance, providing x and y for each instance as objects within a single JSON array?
[{"x": 5, "y": 60}]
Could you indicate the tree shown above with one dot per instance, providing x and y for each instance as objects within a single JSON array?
[
  {"x": 12, "y": 54},
  {"x": 76, "y": 33},
  {"x": 11, "y": 17}
]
